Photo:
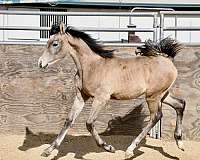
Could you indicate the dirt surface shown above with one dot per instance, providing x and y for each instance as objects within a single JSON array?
[{"x": 29, "y": 147}]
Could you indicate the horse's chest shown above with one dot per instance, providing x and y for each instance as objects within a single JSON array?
[{"x": 90, "y": 87}]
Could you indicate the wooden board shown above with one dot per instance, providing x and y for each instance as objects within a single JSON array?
[
  {"x": 187, "y": 86},
  {"x": 40, "y": 99}
]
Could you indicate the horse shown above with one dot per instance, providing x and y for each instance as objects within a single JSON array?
[{"x": 102, "y": 76}]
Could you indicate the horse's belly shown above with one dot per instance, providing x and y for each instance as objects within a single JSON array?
[{"x": 127, "y": 94}]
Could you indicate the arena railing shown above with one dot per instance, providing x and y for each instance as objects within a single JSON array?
[{"x": 91, "y": 29}]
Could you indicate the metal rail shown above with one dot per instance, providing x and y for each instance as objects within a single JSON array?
[
  {"x": 180, "y": 12},
  {"x": 176, "y": 15},
  {"x": 151, "y": 9},
  {"x": 90, "y": 29},
  {"x": 93, "y": 29},
  {"x": 155, "y": 17},
  {"x": 123, "y": 14},
  {"x": 158, "y": 27},
  {"x": 197, "y": 28},
  {"x": 45, "y": 42}
]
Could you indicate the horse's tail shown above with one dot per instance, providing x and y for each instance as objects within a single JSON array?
[{"x": 166, "y": 47}]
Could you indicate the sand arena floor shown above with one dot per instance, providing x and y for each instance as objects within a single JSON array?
[{"x": 29, "y": 147}]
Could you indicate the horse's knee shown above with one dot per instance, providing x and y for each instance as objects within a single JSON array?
[
  {"x": 158, "y": 116},
  {"x": 183, "y": 102},
  {"x": 89, "y": 126},
  {"x": 68, "y": 122},
  {"x": 180, "y": 110}
]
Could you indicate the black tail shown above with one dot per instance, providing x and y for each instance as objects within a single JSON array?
[{"x": 166, "y": 47}]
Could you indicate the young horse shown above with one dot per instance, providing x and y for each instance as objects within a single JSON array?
[{"x": 103, "y": 76}]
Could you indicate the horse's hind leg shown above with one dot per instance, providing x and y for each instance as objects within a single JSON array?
[
  {"x": 97, "y": 105},
  {"x": 179, "y": 106},
  {"x": 75, "y": 111},
  {"x": 155, "y": 109}
]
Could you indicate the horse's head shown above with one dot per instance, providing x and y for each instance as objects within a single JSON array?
[
  {"x": 57, "y": 47},
  {"x": 70, "y": 41}
]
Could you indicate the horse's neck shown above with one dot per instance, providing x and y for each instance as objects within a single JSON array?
[{"x": 83, "y": 57}]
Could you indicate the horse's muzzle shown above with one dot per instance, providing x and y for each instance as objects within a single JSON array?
[{"x": 42, "y": 67}]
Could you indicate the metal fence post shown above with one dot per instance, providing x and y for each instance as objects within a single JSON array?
[
  {"x": 161, "y": 26},
  {"x": 155, "y": 26}
]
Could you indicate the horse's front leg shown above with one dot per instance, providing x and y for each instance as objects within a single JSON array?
[
  {"x": 75, "y": 111},
  {"x": 97, "y": 105}
]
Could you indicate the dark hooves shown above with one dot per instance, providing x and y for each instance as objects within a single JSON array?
[
  {"x": 109, "y": 148},
  {"x": 45, "y": 153},
  {"x": 129, "y": 155}
]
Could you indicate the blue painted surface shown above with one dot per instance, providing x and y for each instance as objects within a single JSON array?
[{"x": 115, "y": 3}]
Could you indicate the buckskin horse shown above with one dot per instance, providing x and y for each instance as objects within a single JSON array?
[{"x": 103, "y": 76}]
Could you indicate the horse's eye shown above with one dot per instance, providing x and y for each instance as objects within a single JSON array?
[{"x": 55, "y": 44}]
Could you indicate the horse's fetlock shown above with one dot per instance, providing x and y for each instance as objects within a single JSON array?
[
  {"x": 158, "y": 115},
  {"x": 68, "y": 122},
  {"x": 100, "y": 143},
  {"x": 178, "y": 136},
  {"x": 89, "y": 126},
  {"x": 55, "y": 145}
]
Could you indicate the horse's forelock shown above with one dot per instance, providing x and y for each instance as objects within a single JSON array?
[{"x": 55, "y": 28}]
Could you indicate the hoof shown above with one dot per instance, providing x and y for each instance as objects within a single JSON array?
[
  {"x": 46, "y": 153},
  {"x": 180, "y": 145},
  {"x": 129, "y": 154},
  {"x": 109, "y": 148}
]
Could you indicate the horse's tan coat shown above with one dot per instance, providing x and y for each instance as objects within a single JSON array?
[{"x": 118, "y": 78}]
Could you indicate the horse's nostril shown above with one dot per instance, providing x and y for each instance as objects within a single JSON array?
[{"x": 40, "y": 64}]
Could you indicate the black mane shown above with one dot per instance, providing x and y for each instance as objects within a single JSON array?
[{"x": 92, "y": 43}]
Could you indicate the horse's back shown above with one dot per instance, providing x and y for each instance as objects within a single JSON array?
[{"x": 135, "y": 76}]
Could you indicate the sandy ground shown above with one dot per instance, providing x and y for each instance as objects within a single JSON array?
[{"x": 29, "y": 147}]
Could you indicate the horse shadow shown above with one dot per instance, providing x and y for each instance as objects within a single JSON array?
[{"x": 116, "y": 133}]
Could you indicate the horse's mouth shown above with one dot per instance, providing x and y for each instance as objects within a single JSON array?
[
  {"x": 43, "y": 67},
  {"x": 53, "y": 62},
  {"x": 48, "y": 64}
]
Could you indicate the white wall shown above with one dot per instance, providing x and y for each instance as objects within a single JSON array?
[
  {"x": 23, "y": 21},
  {"x": 101, "y": 22},
  {"x": 143, "y": 22},
  {"x": 84, "y": 21},
  {"x": 1, "y": 31},
  {"x": 184, "y": 36}
]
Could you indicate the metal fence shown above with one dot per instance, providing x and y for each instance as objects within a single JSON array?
[
  {"x": 91, "y": 29},
  {"x": 178, "y": 14},
  {"x": 158, "y": 29}
]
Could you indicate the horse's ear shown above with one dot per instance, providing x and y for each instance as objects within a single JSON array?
[{"x": 62, "y": 28}]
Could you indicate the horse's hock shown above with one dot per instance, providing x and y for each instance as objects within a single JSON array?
[{"x": 40, "y": 99}]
